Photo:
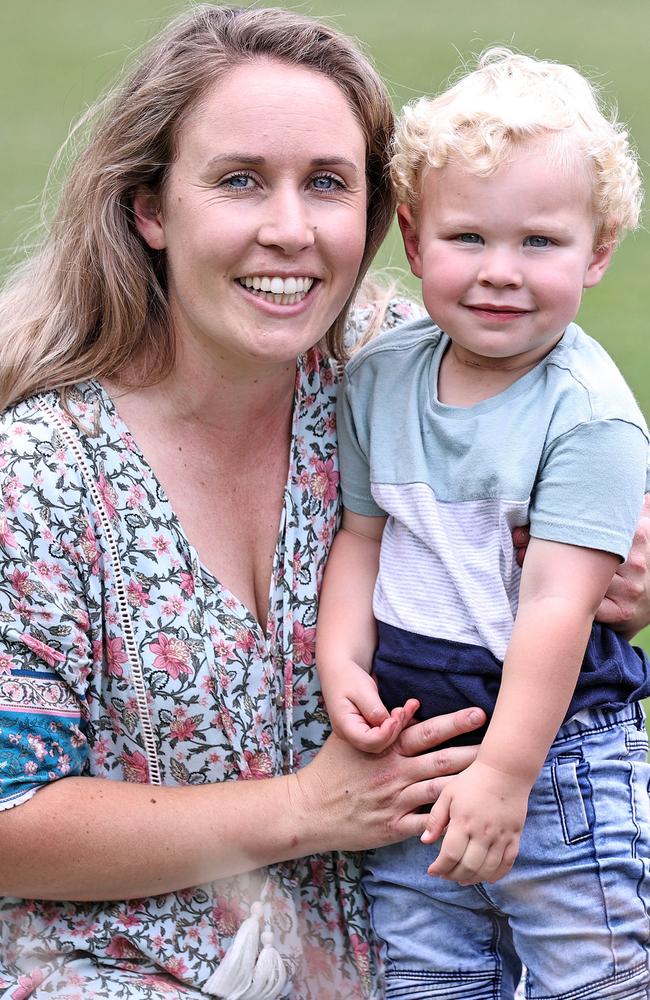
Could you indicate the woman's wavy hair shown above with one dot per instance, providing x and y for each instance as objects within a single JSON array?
[
  {"x": 91, "y": 301},
  {"x": 511, "y": 99}
]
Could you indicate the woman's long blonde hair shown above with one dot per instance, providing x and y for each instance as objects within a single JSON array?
[{"x": 91, "y": 302}]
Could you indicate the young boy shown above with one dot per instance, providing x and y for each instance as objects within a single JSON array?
[{"x": 514, "y": 190}]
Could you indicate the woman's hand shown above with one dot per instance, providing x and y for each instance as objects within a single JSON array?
[
  {"x": 354, "y": 801},
  {"x": 626, "y": 605}
]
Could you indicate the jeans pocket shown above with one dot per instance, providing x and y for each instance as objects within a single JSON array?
[
  {"x": 636, "y": 743},
  {"x": 569, "y": 798}
]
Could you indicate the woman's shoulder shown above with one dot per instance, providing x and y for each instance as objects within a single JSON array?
[{"x": 376, "y": 312}]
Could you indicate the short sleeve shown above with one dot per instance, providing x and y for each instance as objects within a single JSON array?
[
  {"x": 45, "y": 646},
  {"x": 590, "y": 486},
  {"x": 353, "y": 459}
]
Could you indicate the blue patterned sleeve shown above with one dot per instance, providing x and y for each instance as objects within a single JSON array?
[{"x": 45, "y": 645}]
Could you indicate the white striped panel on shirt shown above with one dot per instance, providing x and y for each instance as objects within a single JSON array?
[{"x": 447, "y": 568}]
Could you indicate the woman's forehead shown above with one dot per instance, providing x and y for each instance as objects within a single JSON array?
[{"x": 268, "y": 104}]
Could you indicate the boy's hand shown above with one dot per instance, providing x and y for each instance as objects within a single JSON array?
[
  {"x": 483, "y": 810},
  {"x": 359, "y": 716}
]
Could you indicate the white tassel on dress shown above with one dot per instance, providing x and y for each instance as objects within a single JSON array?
[
  {"x": 235, "y": 973},
  {"x": 270, "y": 976}
]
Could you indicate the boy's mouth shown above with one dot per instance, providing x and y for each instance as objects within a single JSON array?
[{"x": 490, "y": 310}]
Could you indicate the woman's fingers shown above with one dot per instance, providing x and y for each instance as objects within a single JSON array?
[{"x": 428, "y": 734}]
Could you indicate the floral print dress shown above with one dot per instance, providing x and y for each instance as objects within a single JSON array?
[{"x": 121, "y": 656}]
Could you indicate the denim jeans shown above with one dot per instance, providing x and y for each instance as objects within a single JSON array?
[{"x": 575, "y": 906}]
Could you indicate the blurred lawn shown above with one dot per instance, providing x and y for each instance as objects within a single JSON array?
[{"x": 56, "y": 55}]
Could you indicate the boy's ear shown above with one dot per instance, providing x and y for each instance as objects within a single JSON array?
[
  {"x": 410, "y": 238},
  {"x": 148, "y": 218},
  {"x": 598, "y": 264}
]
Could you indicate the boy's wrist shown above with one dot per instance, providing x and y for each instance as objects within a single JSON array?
[{"x": 515, "y": 766}]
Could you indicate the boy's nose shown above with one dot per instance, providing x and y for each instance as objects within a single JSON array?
[{"x": 501, "y": 269}]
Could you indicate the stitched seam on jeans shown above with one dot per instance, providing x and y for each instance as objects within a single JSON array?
[{"x": 586, "y": 992}]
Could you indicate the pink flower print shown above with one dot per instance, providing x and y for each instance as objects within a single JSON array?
[
  {"x": 64, "y": 764},
  {"x": 27, "y": 985},
  {"x": 318, "y": 961},
  {"x": 135, "y": 767},
  {"x": 244, "y": 640},
  {"x": 20, "y": 582},
  {"x": 327, "y": 375},
  {"x": 172, "y": 656},
  {"x": 174, "y": 606},
  {"x": 227, "y": 915},
  {"x": 109, "y": 496},
  {"x": 182, "y": 727},
  {"x": 37, "y": 746},
  {"x": 223, "y": 651},
  {"x": 6, "y": 663},
  {"x": 312, "y": 360},
  {"x": 304, "y": 644},
  {"x": 324, "y": 481},
  {"x": 176, "y": 966},
  {"x": 135, "y": 496},
  {"x": 7, "y": 536},
  {"x": 187, "y": 584},
  {"x": 51, "y": 656},
  {"x": 136, "y": 595},
  {"x": 360, "y": 951},
  {"x": 77, "y": 738},
  {"x": 82, "y": 619},
  {"x": 317, "y": 866},
  {"x": 160, "y": 544},
  {"x": 259, "y": 764},
  {"x": 89, "y": 548},
  {"x": 115, "y": 656},
  {"x": 31, "y": 767},
  {"x": 121, "y": 947}
]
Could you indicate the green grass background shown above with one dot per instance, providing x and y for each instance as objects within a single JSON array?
[{"x": 57, "y": 55}]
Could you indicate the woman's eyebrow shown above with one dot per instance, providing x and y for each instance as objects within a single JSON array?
[{"x": 249, "y": 159}]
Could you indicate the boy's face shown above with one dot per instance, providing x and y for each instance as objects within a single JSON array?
[{"x": 504, "y": 259}]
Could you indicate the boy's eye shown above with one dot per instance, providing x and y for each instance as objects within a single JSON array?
[
  {"x": 472, "y": 238},
  {"x": 537, "y": 241}
]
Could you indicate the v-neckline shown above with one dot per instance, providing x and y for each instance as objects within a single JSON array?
[{"x": 195, "y": 563}]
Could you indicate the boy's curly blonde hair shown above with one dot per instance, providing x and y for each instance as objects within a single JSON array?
[{"x": 506, "y": 102}]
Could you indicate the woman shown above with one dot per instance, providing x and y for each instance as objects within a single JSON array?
[{"x": 170, "y": 494}]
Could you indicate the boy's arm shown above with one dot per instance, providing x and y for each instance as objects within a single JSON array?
[
  {"x": 485, "y": 807},
  {"x": 347, "y": 636}
]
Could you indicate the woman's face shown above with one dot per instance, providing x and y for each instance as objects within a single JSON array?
[{"x": 263, "y": 215}]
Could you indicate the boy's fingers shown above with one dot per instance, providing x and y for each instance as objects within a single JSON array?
[{"x": 371, "y": 707}]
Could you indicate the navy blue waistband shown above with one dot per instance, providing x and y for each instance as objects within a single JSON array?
[{"x": 446, "y": 675}]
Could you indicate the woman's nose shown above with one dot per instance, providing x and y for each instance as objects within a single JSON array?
[
  {"x": 500, "y": 268},
  {"x": 287, "y": 223}
]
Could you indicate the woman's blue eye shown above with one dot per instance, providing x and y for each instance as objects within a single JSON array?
[
  {"x": 472, "y": 238},
  {"x": 239, "y": 181},
  {"x": 541, "y": 242},
  {"x": 326, "y": 183}
]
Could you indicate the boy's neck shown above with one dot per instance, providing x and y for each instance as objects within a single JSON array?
[{"x": 465, "y": 379}]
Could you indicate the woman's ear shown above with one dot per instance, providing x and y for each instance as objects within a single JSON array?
[
  {"x": 410, "y": 237},
  {"x": 148, "y": 218}
]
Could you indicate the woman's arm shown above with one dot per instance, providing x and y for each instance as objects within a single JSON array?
[{"x": 94, "y": 839}]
